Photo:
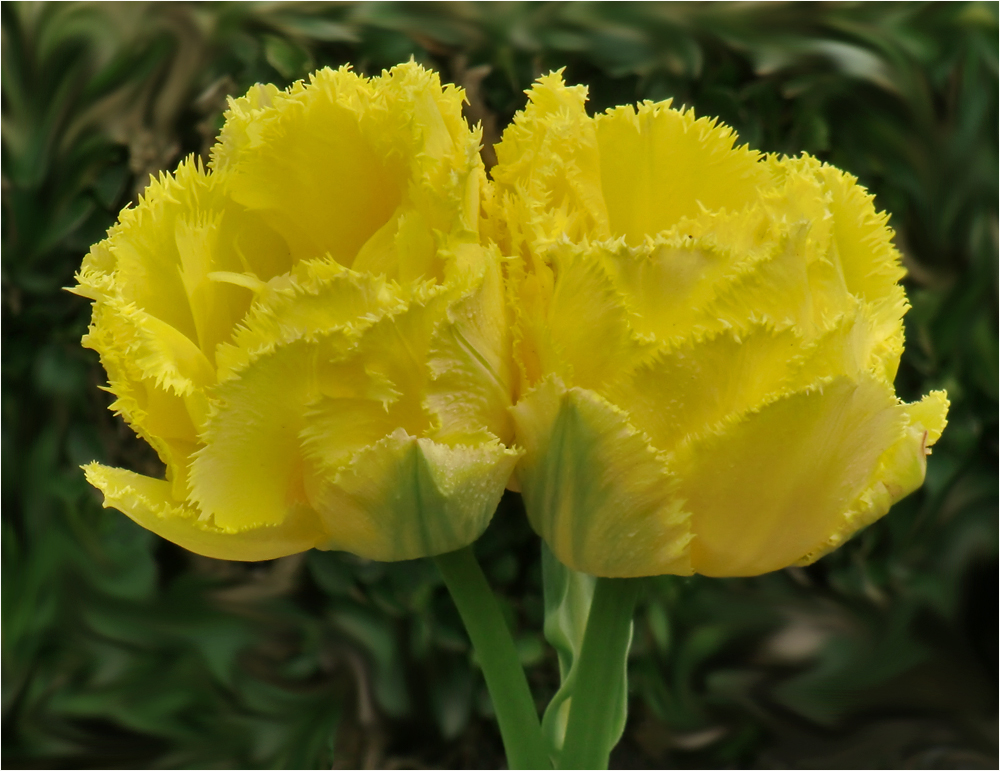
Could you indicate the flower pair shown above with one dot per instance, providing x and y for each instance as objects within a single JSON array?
[{"x": 342, "y": 335}]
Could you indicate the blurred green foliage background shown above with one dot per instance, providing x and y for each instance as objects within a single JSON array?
[{"x": 122, "y": 650}]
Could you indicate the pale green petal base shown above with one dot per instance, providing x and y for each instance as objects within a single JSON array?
[
  {"x": 595, "y": 490},
  {"x": 405, "y": 497}
]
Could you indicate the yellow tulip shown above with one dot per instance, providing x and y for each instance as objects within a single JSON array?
[
  {"x": 707, "y": 339},
  {"x": 309, "y": 333}
]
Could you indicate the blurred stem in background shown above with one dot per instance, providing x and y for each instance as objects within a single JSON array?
[{"x": 879, "y": 655}]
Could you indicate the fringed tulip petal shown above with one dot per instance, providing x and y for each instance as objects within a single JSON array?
[
  {"x": 148, "y": 502},
  {"x": 589, "y": 355},
  {"x": 898, "y": 473},
  {"x": 405, "y": 497},
  {"x": 312, "y": 301},
  {"x": 595, "y": 489},
  {"x": 366, "y": 171},
  {"x": 871, "y": 264},
  {"x": 550, "y": 152},
  {"x": 249, "y": 473},
  {"x": 292, "y": 157},
  {"x": 688, "y": 389},
  {"x": 670, "y": 282},
  {"x": 659, "y": 165},
  {"x": 471, "y": 368},
  {"x": 816, "y": 451}
]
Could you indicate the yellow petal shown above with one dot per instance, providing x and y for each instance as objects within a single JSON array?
[
  {"x": 595, "y": 490},
  {"x": 764, "y": 490},
  {"x": 472, "y": 380},
  {"x": 335, "y": 429},
  {"x": 143, "y": 250},
  {"x": 659, "y": 165},
  {"x": 149, "y": 503},
  {"x": 396, "y": 350},
  {"x": 157, "y": 376},
  {"x": 548, "y": 175},
  {"x": 799, "y": 197},
  {"x": 930, "y": 414},
  {"x": 250, "y": 472},
  {"x": 689, "y": 389},
  {"x": 95, "y": 279},
  {"x": 253, "y": 467},
  {"x": 584, "y": 335},
  {"x": 668, "y": 283},
  {"x": 852, "y": 346},
  {"x": 161, "y": 257},
  {"x": 871, "y": 264},
  {"x": 898, "y": 473},
  {"x": 404, "y": 249},
  {"x": 530, "y": 284},
  {"x": 215, "y": 307},
  {"x": 306, "y": 167},
  {"x": 147, "y": 349},
  {"x": 239, "y": 132},
  {"x": 161, "y": 353},
  {"x": 886, "y": 319},
  {"x": 405, "y": 497},
  {"x": 346, "y": 164},
  {"x": 315, "y": 299},
  {"x": 358, "y": 407},
  {"x": 775, "y": 290}
]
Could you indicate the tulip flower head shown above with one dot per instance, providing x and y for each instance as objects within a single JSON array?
[
  {"x": 308, "y": 332},
  {"x": 707, "y": 339}
]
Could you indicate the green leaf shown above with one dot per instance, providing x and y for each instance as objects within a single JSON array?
[{"x": 568, "y": 598}]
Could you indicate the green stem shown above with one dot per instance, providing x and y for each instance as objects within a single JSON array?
[
  {"x": 512, "y": 701},
  {"x": 605, "y": 645}
]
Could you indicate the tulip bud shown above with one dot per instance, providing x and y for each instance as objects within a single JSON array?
[
  {"x": 309, "y": 333},
  {"x": 707, "y": 339}
]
